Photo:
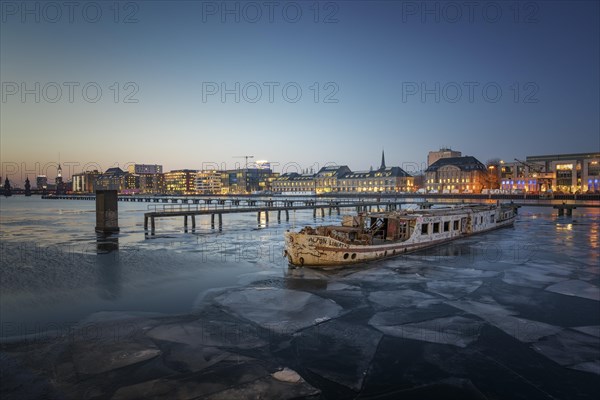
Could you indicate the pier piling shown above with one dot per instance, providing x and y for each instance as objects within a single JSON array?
[{"x": 107, "y": 211}]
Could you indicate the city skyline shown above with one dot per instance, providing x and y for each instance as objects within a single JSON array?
[
  {"x": 17, "y": 173},
  {"x": 224, "y": 81}
]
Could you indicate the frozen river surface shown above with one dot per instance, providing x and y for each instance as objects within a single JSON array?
[{"x": 510, "y": 314}]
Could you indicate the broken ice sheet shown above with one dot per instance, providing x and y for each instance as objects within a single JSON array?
[
  {"x": 341, "y": 286},
  {"x": 195, "y": 385},
  {"x": 530, "y": 277},
  {"x": 402, "y": 298},
  {"x": 454, "y": 330},
  {"x": 589, "y": 330},
  {"x": 590, "y": 366},
  {"x": 209, "y": 333},
  {"x": 440, "y": 272},
  {"x": 569, "y": 348},
  {"x": 267, "y": 388},
  {"x": 379, "y": 275},
  {"x": 193, "y": 359},
  {"x": 576, "y": 288},
  {"x": 453, "y": 289},
  {"x": 280, "y": 310},
  {"x": 338, "y": 351},
  {"x": 246, "y": 279},
  {"x": 100, "y": 356},
  {"x": 522, "y": 329}
]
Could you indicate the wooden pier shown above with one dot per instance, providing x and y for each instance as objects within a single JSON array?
[{"x": 282, "y": 207}]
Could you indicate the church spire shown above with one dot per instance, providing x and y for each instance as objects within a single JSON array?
[{"x": 382, "y": 160}]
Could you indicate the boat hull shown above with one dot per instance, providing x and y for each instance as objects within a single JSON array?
[{"x": 324, "y": 251}]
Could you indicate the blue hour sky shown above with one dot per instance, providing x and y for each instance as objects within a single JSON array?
[{"x": 192, "y": 84}]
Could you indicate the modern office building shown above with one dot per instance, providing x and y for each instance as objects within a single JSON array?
[
  {"x": 246, "y": 180},
  {"x": 84, "y": 182},
  {"x": 182, "y": 181},
  {"x": 573, "y": 173},
  {"x": 145, "y": 169},
  {"x": 41, "y": 182},
  {"x": 209, "y": 182},
  {"x": 150, "y": 176}
]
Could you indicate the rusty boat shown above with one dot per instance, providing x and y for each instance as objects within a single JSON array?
[{"x": 372, "y": 236}]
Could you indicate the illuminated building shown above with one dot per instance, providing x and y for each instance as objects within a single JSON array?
[
  {"x": 326, "y": 179},
  {"x": 294, "y": 183},
  {"x": 209, "y": 182},
  {"x": 150, "y": 176},
  {"x": 384, "y": 179},
  {"x": 456, "y": 175},
  {"x": 247, "y": 180},
  {"x": 41, "y": 182},
  {"x": 526, "y": 177},
  {"x": 444, "y": 152},
  {"x": 84, "y": 181},
  {"x": 181, "y": 181},
  {"x": 390, "y": 179},
  {"x": 573, "y": 173},
  {"x": 119, "y": 180},
  {"x": 145, "y": 169}
]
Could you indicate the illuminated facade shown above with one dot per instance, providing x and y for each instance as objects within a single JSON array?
[
  {"x": 119, "y": 180},
  {"x": 150, "y": 176},
  {"x": 152, "y": 183},
  {"x": 341, "y": 179},
  {"x": 391, "y": 179},
  {"x": 326, "y": 180},
  {"x": 41, "y": 182},
  {"x": 145, "y": 169},
  {"x": 294, "y": 183},
  {"x": 572, "y": 173},
  {"x": 456, "y": 175},
  {"x": 180, "y": 182},
  {"x": 247, "y": 180},
  {"x": 209, "y": 182},
  {"x": 84, "y": 181}
]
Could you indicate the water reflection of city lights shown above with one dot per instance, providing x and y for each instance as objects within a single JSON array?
[
  {"x": 564, "y": 227},
  {"x": 593, "y": 236}
]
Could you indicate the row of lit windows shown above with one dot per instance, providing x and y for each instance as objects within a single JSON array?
[{"x": 454, "y": 180}]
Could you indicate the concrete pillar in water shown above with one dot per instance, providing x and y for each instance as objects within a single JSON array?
[{"x": 107, "y": 211}]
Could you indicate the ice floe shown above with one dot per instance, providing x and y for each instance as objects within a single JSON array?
[
  {"x": 338, "y": 351},
  {"x": 454, "y": 330},
  {"x": 589, "y": 330},
  {"x": 279, "y": 310},
  {"x": 402, "y": 298},
  {"x": 101, "y": 356},
  {"x": 522, "y": 329},
  {"x": 570, "y": 348},
  {"x": 576, "y": 288},
  {"x": 209, "y": 333},
  {"x": 453, "y": 289},
  {"x": 247, "y": 380},
  {"x": 590, "y": 366},
  {"x": 531, "y": 277}
]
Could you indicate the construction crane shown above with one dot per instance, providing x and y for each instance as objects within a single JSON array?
[
  {"x": 532, "y": 167},
  {"x": 246, "y": 157}
]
